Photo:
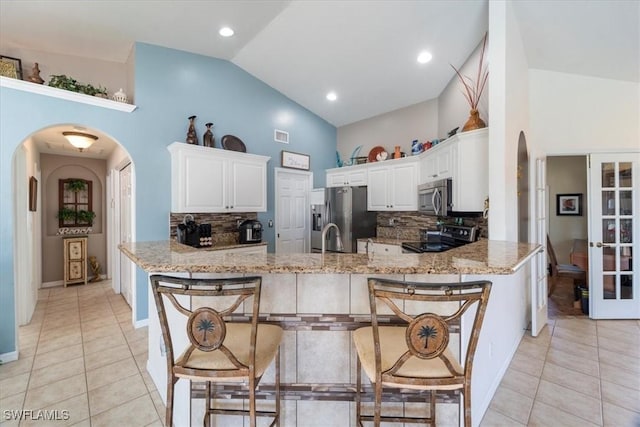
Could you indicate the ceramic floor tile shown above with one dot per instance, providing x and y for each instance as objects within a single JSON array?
[
  {"x": 136, "y": 334},
  {"x": 41, "y": 397},
  {"x": 621, "y": 396},
  {"x": 56, "y": 372},
  {"x": 48, "y": 345},
  {"x": 160, "y": 407},
  {"x": 104, "y": 343},
  {"x": 544, "y": 415},
  {"x": 111, "y": 395},
  {"x": 616, "y": 359},
  {"x": 619, "y": 376},
  {"x": 526, "y": 364},
  {"x": 57, "y": 356},
  {"x": 16, "y": 367},
  {"x": 574, "y": 380},
  {"x": 111, "y": 373},
  {"x": 60, "y": 333},
  {"x": 139, "y": 346},
  {"x": 521, "y": 382},
  {"x": 100, "y": 332},
  {"x": 496, "y": 419},
  {"x": 570, "y": 401},
  {"x": 576, "y": 336},
  {"x": 106, "y": 357},
  {"x": 11, "y": 403},
  {"x": 615, "y": 416},
  {"x": 14, "y": 385},
  {"x": 626, "y": 334},
  {"x": 532, "y": 350},
  {"x": 573, "y": 362},
  {"x": 27, "y": 351},
  {"x": 580, "y": 350},
  {"x": 512, "y": 404},
  {"x": 621, "y": 347},
  {"x": 137, "y": 412},
  {"x": 67, "y": 412}
]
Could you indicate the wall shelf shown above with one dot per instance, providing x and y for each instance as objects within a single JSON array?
[{"x": 53, "y": 92}]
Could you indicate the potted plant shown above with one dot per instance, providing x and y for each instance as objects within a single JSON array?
[
  {"x": 66, "y": 214},
  {"x": 76, "y": 185},
  {"x": 86, "y": 217},
  {"x": 473, "y": 91},
  {"x": 62, "y": 81}
]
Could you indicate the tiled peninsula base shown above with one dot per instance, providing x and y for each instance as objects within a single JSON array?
[{"x": 318, "y": 360}]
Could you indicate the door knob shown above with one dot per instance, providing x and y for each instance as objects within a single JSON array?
[{"x": 602, "y": 245}]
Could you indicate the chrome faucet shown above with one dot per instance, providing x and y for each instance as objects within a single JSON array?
[{"x": 325, "y": 229}]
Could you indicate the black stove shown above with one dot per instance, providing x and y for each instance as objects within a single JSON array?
[{"x": 451, "y": 236}]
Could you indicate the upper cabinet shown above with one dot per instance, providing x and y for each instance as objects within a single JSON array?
[
  {"x": 393, "y": 186},
  {"x": 348, "y": 176},
  {"x": 205, "y": 179},
  {"x": 465, "y": 159}
]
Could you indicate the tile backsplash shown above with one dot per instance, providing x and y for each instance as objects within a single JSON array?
[
  {"x": 407, "y": 225},
  {"x": 224, "y": 226}
]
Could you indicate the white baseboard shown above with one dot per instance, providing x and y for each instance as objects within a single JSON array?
[
  {"x": 141, "y": 323},
  {"x": 9, "y": 357},
  {"x": 52, "y": 284}
]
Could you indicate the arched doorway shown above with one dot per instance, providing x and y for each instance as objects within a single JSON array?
[{"x": 47, "y": 157}]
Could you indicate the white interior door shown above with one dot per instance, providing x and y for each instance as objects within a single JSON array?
[
  {"x": 614, "y": 233},
  {"x": 539, "y": 300},
  {"x": 125, "y": 232},
  {"x": 292, "y": 211}
]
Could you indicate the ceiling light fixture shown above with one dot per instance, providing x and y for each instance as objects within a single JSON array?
[
  {"x": 331, "y": 96},
  {"x": 226, "y": 32},
  {"x": 424, "y": 57},
  {"x": 80, "y": 140}
]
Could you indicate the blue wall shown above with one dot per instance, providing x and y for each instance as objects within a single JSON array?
[{"x": 170, "y": 86}]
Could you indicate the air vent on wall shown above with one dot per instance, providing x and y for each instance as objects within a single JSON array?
[{"x": 281, "y": 136}]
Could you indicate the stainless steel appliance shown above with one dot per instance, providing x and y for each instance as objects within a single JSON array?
[
  {"x": 250, "y": 231},
  {"x": 347, "y": 208},
  {"x": 434, "y": 198},
  {"x": 449, "y": 237}
]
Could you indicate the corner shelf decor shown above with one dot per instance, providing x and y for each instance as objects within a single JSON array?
[{"x": 75, "y": 199}]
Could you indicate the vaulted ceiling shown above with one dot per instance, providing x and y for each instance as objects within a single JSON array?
[{"x": 363, "y": 50}]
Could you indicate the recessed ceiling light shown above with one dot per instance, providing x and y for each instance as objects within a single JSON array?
[
  {"x": 424, "y": 57},
  {"x": 331, "y": 96},
  {"x": 225, "y": 32}
]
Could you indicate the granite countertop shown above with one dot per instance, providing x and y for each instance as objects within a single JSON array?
[
  {"x": 482, "y": 257},
  {"x": 217, "y": 246}
]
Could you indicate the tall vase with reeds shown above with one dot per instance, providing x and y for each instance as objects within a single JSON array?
[{"x": 473, "y": 91}]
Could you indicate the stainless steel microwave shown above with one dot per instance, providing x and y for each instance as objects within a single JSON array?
[{"x": 434, "y": 198}]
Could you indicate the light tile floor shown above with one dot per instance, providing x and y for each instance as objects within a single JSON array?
[{"x": 81, "y": 354}]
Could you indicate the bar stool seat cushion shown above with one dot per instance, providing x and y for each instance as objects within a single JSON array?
[
  {"x": 393, "y": 344},
  {"x": 237, "y": 339}
]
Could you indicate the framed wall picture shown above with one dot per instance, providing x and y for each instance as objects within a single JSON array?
[
  {"x": 10, "y": 67},
  {"x": 569, "y": 204},
  {"x": 33, "y": 194},
  {"x": 295, "y": 160}
]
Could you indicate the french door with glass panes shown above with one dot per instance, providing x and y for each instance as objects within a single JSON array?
[{"x": 614, "y": 236}]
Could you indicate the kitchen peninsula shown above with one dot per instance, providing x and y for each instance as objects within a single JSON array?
[{"x": 320, "y": 298}]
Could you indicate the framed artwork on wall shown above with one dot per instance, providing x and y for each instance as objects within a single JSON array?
[
  {"x": 569, "y": 204},
  {"x": 10, "y": 67},
  {"x": 295, "y": 160}
]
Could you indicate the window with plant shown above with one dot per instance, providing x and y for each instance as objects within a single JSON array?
[{"x": 75, "y": 203}]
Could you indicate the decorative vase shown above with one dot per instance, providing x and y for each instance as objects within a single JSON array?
[
  {"x": 474, "y": 122},
  {"x": 208, "y": 140},
  {"x": 34, "y": 77},
  {"x": 192, "y": 138},
  {"x": 120, "y": 96}
]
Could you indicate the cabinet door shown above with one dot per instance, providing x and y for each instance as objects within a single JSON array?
[
  {"x": 336, "y": 179},
  {"x": 403, "y": 194},
  {"x": 204, "y": 184},
  {"x": 358, "y": 177},
  {"x": 385, "y": 249},
  {"x": 377, "y": 190},
  {"x": 247, "y": 186},
  {"x": 444, "y": 162},
  {"x": 429, "y": 167}
]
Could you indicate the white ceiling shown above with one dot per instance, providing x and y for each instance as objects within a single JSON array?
[{"x": 364, "y": 50}]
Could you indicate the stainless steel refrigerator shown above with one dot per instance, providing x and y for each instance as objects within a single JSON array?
[{"x": 347, "y": 208}]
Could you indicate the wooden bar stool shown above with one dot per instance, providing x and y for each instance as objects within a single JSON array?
[
  {"x": 417, "y": 355},
  {"x": 219, "y": 351}
]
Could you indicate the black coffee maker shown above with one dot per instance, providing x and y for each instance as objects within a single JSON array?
[
  {"x": 192, "y": 234},
  {"x": 250, "y": 231}
]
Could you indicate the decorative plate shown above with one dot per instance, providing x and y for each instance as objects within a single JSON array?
[
  {"x": 374, "y": 152},
  {"x": 233, "y": 143}
]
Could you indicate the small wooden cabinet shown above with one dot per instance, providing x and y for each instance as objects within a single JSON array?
[
  {"x": 75, "y": 260},
  {"x": 205, "y": 179}
]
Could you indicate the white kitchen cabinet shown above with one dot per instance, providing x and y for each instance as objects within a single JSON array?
[
  {"x": 205, "y": 179},
  {"x": 249, "y": 250},
  {"x": 436, "y": 163},
  {"x": 347, "y": 176},
  {"x": 393, "y": 187}
]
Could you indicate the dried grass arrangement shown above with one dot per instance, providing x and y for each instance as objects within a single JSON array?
[{"x": 473, "y": 90}]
